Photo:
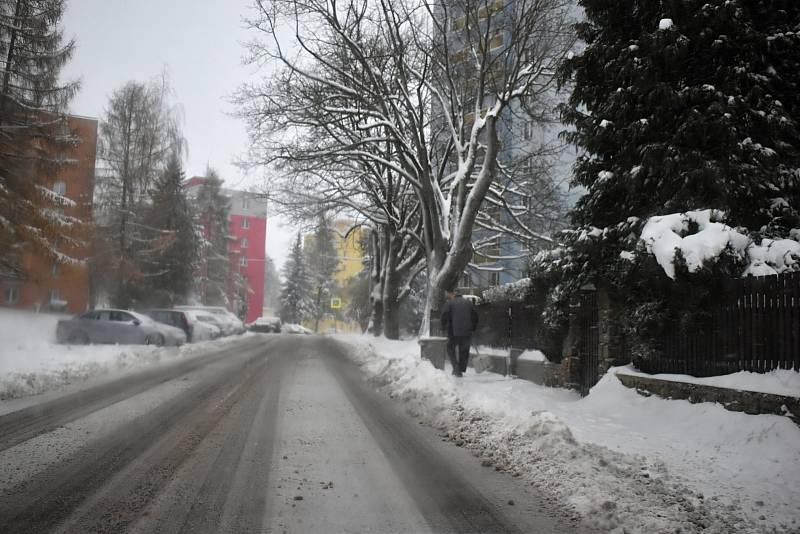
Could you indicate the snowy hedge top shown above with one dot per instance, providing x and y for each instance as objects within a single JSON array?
[
  {"x": 514, "y": 292},
  {"x": 702, "y": 236}
]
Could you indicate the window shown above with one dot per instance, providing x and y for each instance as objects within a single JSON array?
[
  {"x": 466, "y": 280},
  {"x": 494, "y": 279},
  {"x": 245, "y": 203},
  {"x": 122, "y": 317},
  {"x": 55, "y": 295},
  {"x": 244, "y": 242},
  {"x": 245, "y": 223},
  {"x": 243, "y": 262},
  {"x": 527, "y": 130},
  {"x": 60, "y": 188},
  {"x": 55, "y": 271},
  {"x": 11, "y": 295}
]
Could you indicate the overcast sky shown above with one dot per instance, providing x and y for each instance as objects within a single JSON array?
[{"x": 199, "y": 43}]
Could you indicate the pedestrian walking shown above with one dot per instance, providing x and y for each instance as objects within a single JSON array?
[{"x": 459, "y": 320}]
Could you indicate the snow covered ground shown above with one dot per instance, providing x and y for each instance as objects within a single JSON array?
[
  {"x": 31, "y": 362},
  {"x": 623, "y": 462}
]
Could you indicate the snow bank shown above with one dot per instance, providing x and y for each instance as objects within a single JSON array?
[
  {"x": 533, "y": 356},
  {"x": 31, "y": 362},
  {"x": 624, "y": 462},
  {"x": 665, "y": 235}
]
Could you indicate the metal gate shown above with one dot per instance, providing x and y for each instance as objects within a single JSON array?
[{"x": 590, "y": 340}]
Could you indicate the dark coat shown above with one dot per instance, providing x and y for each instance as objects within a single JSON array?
[{"x": 459, "y": 317}]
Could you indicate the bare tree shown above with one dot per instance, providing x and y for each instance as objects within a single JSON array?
[
  {"x": 416, "y": 89},
  {"x": 138, "y": 134}
]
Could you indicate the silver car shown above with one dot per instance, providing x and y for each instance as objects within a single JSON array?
[{"x": 117, "y": 326}]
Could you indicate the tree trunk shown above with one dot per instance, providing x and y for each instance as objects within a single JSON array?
[
  {"x": 448, "y": 256},
  {"x": 391, "y": 315}
]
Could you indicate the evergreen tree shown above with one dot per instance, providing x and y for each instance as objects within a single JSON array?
[
  {"x": 688, "y": 105},
  {"x": 170, "y": 262},
  {"x": 677, "y": 106},
  {"x": 296, "y": 290},
  {"x": 323, "y": 262},
  {"x": 215, "y": 273},
  {"x": 32, "y": 53}
]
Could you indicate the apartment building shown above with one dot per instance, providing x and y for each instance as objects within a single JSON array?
[
  {"x": 41, "y": 284},
  {"x": 247, "y": 234}
]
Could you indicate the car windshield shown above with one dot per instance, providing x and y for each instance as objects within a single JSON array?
[{"x": 138, "y": 316}]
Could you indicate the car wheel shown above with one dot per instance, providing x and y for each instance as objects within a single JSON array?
[
  {"x": 79, "y": 338},
  {"x": 157, "y": 340}
]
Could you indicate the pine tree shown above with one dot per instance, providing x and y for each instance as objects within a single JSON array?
[
  {"x": 215, "y": 273},
  {"x": 32, "y": 53},
  {"x": 323, "y": 262},
  {"x": 296, "y": 290},
  {"x": 688, "y": 105},
  {"x": 170, "y": 262}
]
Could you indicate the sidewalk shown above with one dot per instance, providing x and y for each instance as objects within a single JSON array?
[{"x": 619, "y": 459}]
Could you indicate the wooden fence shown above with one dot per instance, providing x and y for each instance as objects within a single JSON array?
[{"x": 755, "y": 326}]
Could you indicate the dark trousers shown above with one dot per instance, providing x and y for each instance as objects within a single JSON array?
[{"x": 461, "y": 345}]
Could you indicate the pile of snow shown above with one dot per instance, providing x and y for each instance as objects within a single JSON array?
[
  {"x": 31, "y": 362},
  {"x": 623, "y": 462},
  {"x": 532, "y": 356},
  {"x": 514, "y": 292},
  {"x": 665, "y": 235}
]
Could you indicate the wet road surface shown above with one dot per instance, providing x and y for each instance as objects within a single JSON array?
[{"x": 270, "y": 434}]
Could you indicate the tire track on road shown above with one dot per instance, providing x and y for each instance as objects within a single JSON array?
[
  {"x": 50, "y": 497},
  {"x": 20, "y": 426}
]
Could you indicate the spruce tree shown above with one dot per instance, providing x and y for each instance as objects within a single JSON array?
[
  {"x": 676, "y": 106},
  {"x": 688, "y": 105},
  {"x": 295, "y": 297},
  {"x": 215, "y": 280},
  {"x": 171, "y": 260},
  {"x": 32, "y": 53}
]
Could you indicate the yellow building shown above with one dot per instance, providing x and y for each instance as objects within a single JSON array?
[{"x": 350, "y": 254}]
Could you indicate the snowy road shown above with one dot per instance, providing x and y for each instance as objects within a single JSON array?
[{"x": 271, "y": 434}]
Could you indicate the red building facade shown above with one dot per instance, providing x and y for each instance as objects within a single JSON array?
[{"x": 247, "y": 229}]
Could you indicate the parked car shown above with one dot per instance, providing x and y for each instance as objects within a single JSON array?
[
  {"x": 117, "y": 326},
  {"x": 295, "y": 329},
  {"x": 187, "y": 321},
  {"x": 230, "y": 323},
  {"x": 269, "y": 325},
  {"x": 209, "y": 321}
]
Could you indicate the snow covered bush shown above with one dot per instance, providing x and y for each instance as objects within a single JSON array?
[
  {"x": 513, "y": 292},
  {"x": 662, "y": 273}
]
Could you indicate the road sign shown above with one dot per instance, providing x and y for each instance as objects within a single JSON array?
[{"x": 336, "y": 303}]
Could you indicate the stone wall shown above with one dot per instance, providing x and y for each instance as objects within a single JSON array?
[{"x": 731, "y": 399}]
